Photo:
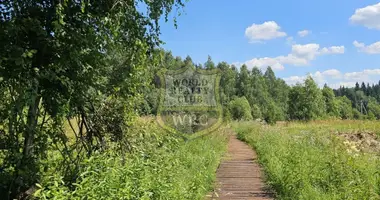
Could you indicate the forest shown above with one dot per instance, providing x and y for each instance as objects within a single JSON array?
[
  {"x": 78, "y": 89},
  {"x": 248, "y": 94}
]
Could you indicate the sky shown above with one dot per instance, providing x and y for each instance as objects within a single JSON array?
[{"x": 335, "y": 41}]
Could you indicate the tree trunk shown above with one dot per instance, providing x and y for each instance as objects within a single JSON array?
[{"x": 31, "y": 126}]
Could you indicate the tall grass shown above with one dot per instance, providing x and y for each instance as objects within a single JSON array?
[
  {"x": 160, "y": 167},
  {"x": 309, "y": 161}
]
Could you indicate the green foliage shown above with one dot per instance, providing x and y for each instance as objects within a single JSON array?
[
  {"x": 209, "y": 64},
  {"x": 374, "y": 108},
  {"x": 256, "y": 112},
  {"x": 346, "y": 111},
  {"x": 306, "y": 101},
  {"x": 357, "y": 114},
  {"x": 240, "y": 109},
  {"x": 272, "y": 113},
  {"x": 70, "y": 59},
  {"x": 161, "y": 167},
  {"x": 307, "y": 161},
  {"x": 332, "y": 107}
]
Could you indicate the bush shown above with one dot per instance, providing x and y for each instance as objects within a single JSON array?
[
  {"x": 160, "y": 167},
  {"x": 273, "y": 113},
  {"x": 357, "y": 114},
  {"x": 240, "y": 109},
  {"x": 256, "y": 112}
]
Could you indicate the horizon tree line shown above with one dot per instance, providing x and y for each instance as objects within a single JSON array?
[{"x": 270, "y": 98}]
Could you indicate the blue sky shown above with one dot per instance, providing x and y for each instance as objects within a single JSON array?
[{"x": 338, "y": 42}]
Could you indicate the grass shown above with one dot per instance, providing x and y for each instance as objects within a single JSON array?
[
  {"x": 161, "y": 167},
  {"x": 309, "y": 160}
]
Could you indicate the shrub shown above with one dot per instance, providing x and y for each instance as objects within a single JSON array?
[
  {"x": 240, "y": 109},
  {"x": 160, "y": 167},
  {"x": 256, "y": 112}
]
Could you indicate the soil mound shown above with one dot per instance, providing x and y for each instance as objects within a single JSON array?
[{"x": 362, "y": 141}]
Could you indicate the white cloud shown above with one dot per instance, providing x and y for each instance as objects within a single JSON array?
[
  {"x": 301, "y": 55},
  {"x": 358, "y": 44},
  {"x": 363, "y": 75},
  {"x": 333, "y": 50},
  {"x": 368, "y": 16},
  {"x": 345, "y": 84},
  {"x": 292, "y": 60},
  {"x": 307, "y": 51},
  {"x": 263, "y": 63},
  {"x": 370, "y": 49},
  {"x": 319, "y": 77},
  {"x": 334, "y": 78},
  {"x": 292, "y": 80},
  {"x": 303, "y": 33},
  {"x": 266, "y": 31},
  {"x": 334, "y": 73}
]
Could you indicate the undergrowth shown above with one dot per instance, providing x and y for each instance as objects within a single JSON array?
[
  {"x": 160, "y": 166},
  {"x": 308, "y": 160}
]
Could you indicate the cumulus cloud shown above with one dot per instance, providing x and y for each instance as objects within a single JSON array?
[
  {"x": 303, "y": 33},
  {"x": 334, "y": 78},
  {"x": 266, "y": 31},
  {"x": 306, "y": 51},
  {"x": 263, "y": 63},
  {"x": 301, "y": 55},
  {"x": 333, "y": 73},
  {"x": 370, "y": 49},
  {"x": 363, "y": 75},
  {"x": 333, "y": 50},
  {"x": 368, "y": 16}
]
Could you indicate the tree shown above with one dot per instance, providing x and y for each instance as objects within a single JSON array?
[
  {"x": 363, "y": 88},
  {"x": 332, "y": 106},
  {"x": 306, "y": 101},
  {"x": 188, "y": 62},
  {"x": 240, "y": 109},
  {"x": 272, "y": 113},
  {"x": 374, "y": 108},
  {"x": 296, "y": 103},
  {"x": 227, "y": 82},
  {"x": 270, "y": 79},
  {"x": 209, "y": 64},
  {"x": 357, "y": 86},
  {"x": 66, "y": 59},
  {"x": 256, "y": 112},
  {"x": 346, "y": 111},
  {"x": 278, "y": 91},
  {"x": 243, "y": 84},
  {"x": 314, "y": 99}
]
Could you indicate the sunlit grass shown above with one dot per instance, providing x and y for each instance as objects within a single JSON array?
[
  {"x": 310, "y": 160},
  {"x": 160, "y": 166}
]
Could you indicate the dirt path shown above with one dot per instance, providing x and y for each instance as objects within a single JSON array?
[{"x": 239, "y": 175}]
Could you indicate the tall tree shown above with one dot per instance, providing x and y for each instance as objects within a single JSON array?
[
  {"x": 58, "y": 61},
  {"x": 357, "y": 86},
  {"x": 332, "y": 106},
  {"x": 209, "y": 64},
  {"x": 346, "y": 110},
  {"x": 306, "y": 101},
  {"x": 188, "y": 62},
  {"x": 363, "y": 88},
  {"x": 243, "y": 84}
]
